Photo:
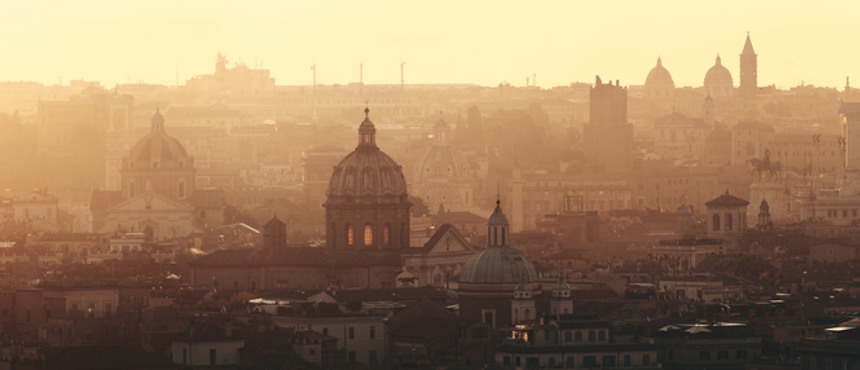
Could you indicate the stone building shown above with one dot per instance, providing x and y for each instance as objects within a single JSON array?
[
  {"x": 498, "y": 283},
  {"x": 442, "y": 175},
  {"x": 608, "y": 136},
  {"x": 367, "y": 205},
  {"x": 727, "y": 218},
  {"x": 159, "y": 195}
]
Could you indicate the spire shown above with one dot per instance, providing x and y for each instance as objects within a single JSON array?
[
  {"x": 719, "y": 60},
  {"x": 748, "y": 48},
  {"x": 659, "y": 62}
]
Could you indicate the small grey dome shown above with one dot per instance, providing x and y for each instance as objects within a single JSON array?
[
  {"x": 561, "y": 284},
  {"x": 498, "y": 265}
]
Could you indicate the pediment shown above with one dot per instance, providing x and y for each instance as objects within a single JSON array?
[{"x": 151, "y": 202}]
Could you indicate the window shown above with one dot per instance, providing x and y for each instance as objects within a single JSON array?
[
  {"x": 351, "y": 356},
  {"x": 601, "y": 336},
  {"x": 741, "y": 354},
  {"x": 704, "y": 355},
  {"x": 729, "y": 222},
  {"x": 91, "y": 310},
  {"x": 627, "y": 360},
  {"x": 368, "y": 235},
  {"x": 312, "y": 351},
  {"x": 372, "y": 332},
  {"x": 351, "y": 333},
  {"x": 551, "y": 362},
  {"x": 722, "y": 355},
  {"x": 488, "y": 318},
  {"x": 609, "y": 361},
  {"x": 646, "y": 360},
  {"x": 716, "y": 222},
  {"x": 568, "y": 336},
  {"x": 578, "y": 336},
  {"x": 517, "y": 362},
  {"x": 386, "y": 235},
  {"x": 592, "y": 336},
  {"x": 589, "y": 361},
  {"x": 213, "y": 357},
  {"x": 506, "y": 361},
  {"x": 325, "y": 331},
  {"x": 571, "y": 363},
  {"x": 371, "y": 357},
  {"x": 349, "y": 236}
]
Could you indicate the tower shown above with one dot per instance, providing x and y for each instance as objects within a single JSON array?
[
  {"x": 561, "y": 302},
  {"x": 275, "y": 236},
  {"x": 749, "y": 68},
  {"x": 608, "y": 135}
]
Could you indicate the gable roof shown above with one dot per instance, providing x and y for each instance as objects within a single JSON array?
[
  {"x": 727, "y": 200},
  {"x": 441, "y": 232}
]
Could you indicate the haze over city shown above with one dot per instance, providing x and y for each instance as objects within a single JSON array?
[
  {"x": 441, "y": 41},
  {"x": 384, "y": 185}
]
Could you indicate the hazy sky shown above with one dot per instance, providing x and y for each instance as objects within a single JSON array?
[{"x": 483, "y": 42}]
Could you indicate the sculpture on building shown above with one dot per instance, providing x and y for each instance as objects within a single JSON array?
[{"x": 765, "y": 166}]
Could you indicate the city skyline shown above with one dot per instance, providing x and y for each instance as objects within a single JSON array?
[{"x": 558, "y": 42}]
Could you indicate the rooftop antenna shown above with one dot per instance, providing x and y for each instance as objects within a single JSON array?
[
  {"x": 314, "y": 68},
  {"x": 402, "y": 81}
]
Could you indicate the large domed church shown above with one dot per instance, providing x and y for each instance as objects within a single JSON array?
[
  {"x": 367, "y": 205},
  {"x": 442, "y": 174},
  {"x": 159, "y": 196}
]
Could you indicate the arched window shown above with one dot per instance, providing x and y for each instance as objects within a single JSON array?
[
  {"x": 568, "y": 337},
  {"x": 716, "y": 222},
  {"x": 349, "y": 236},
  {"x": 578, "y": 336},
  {"x": 386, "y": 235},
  {"x": 368, "y": 235},
  {"x": 503, "y": 235},
  {"x": 601, "y": 336},
  {"x": 729, "y": 222},
  {"x": 592, "y": 336}
]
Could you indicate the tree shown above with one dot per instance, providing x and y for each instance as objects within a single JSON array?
[{"x": 418, "y": 209}]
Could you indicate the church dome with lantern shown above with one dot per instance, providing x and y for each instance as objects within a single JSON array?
[
  {"x": 158, "y": 150},
  {"x": 367, "y": 205},
  {"x": 498, "y": 263},
  {"x": 442, "y": 175}
]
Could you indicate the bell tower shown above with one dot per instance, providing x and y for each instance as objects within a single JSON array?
[{"x": 749, "y": 70}]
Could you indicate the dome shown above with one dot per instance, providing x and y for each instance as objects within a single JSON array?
[
  {"x": 718, "y": 75},
  {"x": 367, "y": 171},
  {"x": 498, "y": 265},
  {"x": 158, "y": 149},
  {"x": 659, "y": 76}
]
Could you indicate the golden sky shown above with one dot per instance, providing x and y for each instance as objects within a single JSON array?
[{"x": 482, "y": 42}]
